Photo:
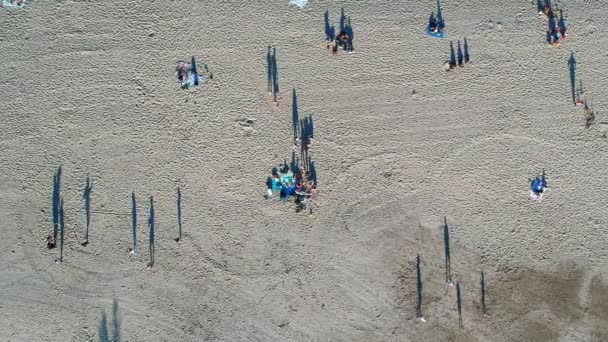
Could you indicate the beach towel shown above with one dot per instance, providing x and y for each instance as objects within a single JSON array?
[
  {"x": 439, "y": 35},
  {"x": 287, "y": 178},
  {"x": 537, "y": 197},
  {"x": 299, "y": 3},
  {"x": 276, "y": 185},
  {"x": 13, "y": 3}
]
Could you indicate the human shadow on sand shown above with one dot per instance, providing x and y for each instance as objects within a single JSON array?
[
  {"x": 330, "y": 30},
  {"x": 103, "y": 331},
  {"x": 452, "y": 55}
]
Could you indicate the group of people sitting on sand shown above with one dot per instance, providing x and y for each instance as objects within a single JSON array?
[
  {"x": 287, "y": 183},
  {"x": 435, "y": 26},
  {"x": 343, "y": 40}
]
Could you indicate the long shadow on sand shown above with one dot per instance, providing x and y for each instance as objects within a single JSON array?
[
  {"x": 330, "y": 31},
  {"x": 151, "y": 231},
  {"x": 572, "y": 68},
  {"x": 452, "y": 55},
  {"x": 418, "y": 288},
  {"x": 87, "y": 208},
  {"x": 179, "y": 214},
  {"x": 134, "y": 221},
  {"x": 295, "y": 121},
  {"x": 103, "y": 332}
]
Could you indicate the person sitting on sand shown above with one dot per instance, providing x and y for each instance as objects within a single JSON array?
[
  {"x": 343, "y": 38},
  {"x": 433, "y": 28},
  {"x": 50, "y": 242},
  {"x": 538, "y": 186}
]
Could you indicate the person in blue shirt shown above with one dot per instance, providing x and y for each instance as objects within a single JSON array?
[{"x": 538, "y": 185}]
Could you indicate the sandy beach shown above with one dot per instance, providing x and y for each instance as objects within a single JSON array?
[{"x": 399, "y": 144}]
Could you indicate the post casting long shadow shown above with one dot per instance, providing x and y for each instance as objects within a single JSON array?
[
  {"x": 87, "y": 209},
  {"x": 466, "y": 51},
  {"x": 483, "y": 293},
  {"x": 52, "y": 240},
  {"x": 459, "y": 304},
  {"x": 151, "y": 231},
  {"x": 572, "y": 68},
  {"x": 179, "y": 214},
  {"x": 275, "y": 75},
  {"x": 61, "y": 229},
  {"x": 446, "y": 243},
  {"x": 295, "y": 121},
  {"x": 418, "y": 289},
  {"x": 269, "y": 68},
  {"x": 134, "y": 221}
]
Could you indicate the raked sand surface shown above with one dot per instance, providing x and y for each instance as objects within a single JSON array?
[{"x": 399, "y": 143}]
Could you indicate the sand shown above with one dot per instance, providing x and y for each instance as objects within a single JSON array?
[{"x": 399, "y": 144}]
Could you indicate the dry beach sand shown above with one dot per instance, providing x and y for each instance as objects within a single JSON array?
[{"x": 399, "y": 143}]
